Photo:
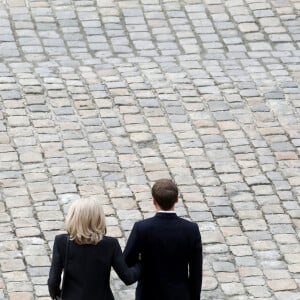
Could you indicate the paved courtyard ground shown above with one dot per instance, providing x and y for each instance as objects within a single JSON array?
[{"x": 99, "y": 98}]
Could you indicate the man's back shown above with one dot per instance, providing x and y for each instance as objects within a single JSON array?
[{"x": 171, "y": 257}]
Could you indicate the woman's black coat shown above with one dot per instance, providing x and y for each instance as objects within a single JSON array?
[{"x": 88, "y": 269}]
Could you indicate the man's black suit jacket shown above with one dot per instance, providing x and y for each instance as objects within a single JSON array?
[
  {"x": 171, "y": 256},
  {"x": 88, "y": 269}
]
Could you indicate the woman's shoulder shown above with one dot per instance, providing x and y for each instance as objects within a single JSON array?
[
  {"x": 61, "y": 238},
  {"x": 110, "y": 240}
]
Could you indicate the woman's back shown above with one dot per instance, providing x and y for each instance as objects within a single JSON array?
[{"x": 88, "y": 268}]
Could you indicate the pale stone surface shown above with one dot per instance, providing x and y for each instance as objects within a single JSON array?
[{"x": 101, "y": 98}]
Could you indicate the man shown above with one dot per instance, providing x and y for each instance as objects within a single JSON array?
[{"x": 169, "y": 248}]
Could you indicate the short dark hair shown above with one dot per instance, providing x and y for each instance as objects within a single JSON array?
[{"x": 165, "y": 193}]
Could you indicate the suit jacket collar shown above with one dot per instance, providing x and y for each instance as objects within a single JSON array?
[{"x": 166, "y": 215}]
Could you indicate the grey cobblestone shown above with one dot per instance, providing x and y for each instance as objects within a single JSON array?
[{"x": 101, "y": 98}]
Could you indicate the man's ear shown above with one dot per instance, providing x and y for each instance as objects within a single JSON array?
[
  {"x": 155, "y": 203},
  {"x": 177, "y": 200}
]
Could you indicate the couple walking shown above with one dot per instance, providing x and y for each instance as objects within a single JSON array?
[{"x": 163, "y": 253}]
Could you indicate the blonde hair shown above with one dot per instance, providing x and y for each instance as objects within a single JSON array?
[{"x": 85, "y": 221}]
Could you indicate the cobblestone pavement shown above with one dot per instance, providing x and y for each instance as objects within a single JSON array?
[{"x": 99, "y": 98}]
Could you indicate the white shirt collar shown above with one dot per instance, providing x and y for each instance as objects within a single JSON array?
[{"x": 167, "y": 211}]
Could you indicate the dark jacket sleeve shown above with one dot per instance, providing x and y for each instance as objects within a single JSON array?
[
  {"x": 127, "y": 275},
  {"x": 195, "y": 267},
  {"x": 132, "y": 251},
  {"x": 55, "y": 271}
]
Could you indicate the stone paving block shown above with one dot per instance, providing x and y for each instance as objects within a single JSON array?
[
  {"x": 283, "y": 284},
  {"x": 257, "y": 224},
  {"x": 21, "y": 295},
  {"x": 231, "y": 289},
  {"x": 12, "y": 265}
]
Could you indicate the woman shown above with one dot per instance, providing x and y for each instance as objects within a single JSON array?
[{"x": 86, "y": 255}]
